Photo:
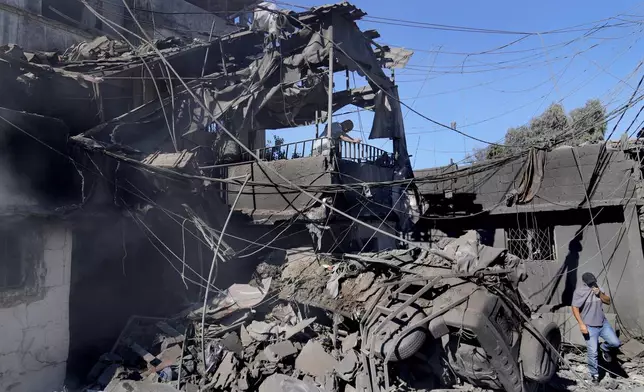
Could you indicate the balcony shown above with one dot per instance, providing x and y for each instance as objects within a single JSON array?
[
  {"x": 304, "y": 163},
  {"x": 355, "y": 152}
]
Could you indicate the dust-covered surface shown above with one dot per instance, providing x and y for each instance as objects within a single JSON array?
[
  {"x": 305, "y": 280},
  {"x": 326, "y": 323},
  {"x": 624, "y": 373}
]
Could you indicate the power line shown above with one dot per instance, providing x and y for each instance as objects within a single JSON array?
[
  {"x": 252, "y": 153},
  {"x": 464, "y": 29}
]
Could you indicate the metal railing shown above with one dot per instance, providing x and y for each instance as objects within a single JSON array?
[
  {"x": 357, "y": 152},
  {"x": 360, "y": 152},
  {"x": 301, "y": 149}
]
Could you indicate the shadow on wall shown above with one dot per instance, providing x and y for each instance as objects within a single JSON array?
[
  {"x": 570, "y": 269},
  {"x": 582, "y": 252}
]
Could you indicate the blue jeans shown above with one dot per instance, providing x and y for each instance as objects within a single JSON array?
[{"x": 611, "y": 340}]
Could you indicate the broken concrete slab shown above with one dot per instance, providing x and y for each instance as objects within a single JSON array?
[
  {"x": 242, "y": 380},
  {"x": 191, "y": 387},
  {"x": 314, "y": 360},
  {"x": 278, "y": 351},
  {"x": 246, "y": 339},
  {"x": 231, "y": 342},
  {"x": 350, "y": 342},
  {"x": 235, "y": 298},
  {"x": 139, "y": 386},
  {"x": 363, "y": 383},
  {"x": 632, "y": 349},
  {"x": 262, "y": 331},
  {"x": 347, "y": 367},
  {"x": 299, "y": 327},
  {"x": 283, "y": 383},
  {"x": 226, "y": 372},
  {"x": 285, "y": 314}
]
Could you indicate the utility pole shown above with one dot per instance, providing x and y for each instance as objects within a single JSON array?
[{"x": 329, "y": 118}]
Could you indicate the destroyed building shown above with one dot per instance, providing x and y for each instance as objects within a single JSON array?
[
  {"x": 110, "y": 166},
  {"x": 140, "y": 199},
  {"x": 566, "y": 212},
  {"x": 56, "y": 25}
]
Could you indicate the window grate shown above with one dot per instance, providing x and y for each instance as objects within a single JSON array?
[{"x": 533, "y": 244}]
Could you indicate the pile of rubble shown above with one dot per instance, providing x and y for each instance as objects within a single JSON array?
[
  {"x": 624, "y": 373},
  {"x": 366, "y": 323},
  {"x": 241, "y": 354},
  {"x": 252, "y": 340}
]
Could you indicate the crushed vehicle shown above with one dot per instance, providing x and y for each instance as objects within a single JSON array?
[
  {"x": 417, "y": 319},
  {"x": 455, "y": 309}
]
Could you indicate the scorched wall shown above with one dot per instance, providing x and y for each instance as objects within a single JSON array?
[{"x": 34, "y": 316}]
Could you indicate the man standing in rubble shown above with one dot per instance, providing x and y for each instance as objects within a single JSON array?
[
  {"x": 587, "y": 307},
  {"x": 338, "y": 132}
]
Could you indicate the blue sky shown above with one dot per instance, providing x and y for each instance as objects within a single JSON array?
[{"x": 485, "y": 94}]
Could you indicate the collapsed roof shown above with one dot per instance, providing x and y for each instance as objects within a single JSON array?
[{"x": 248, "y": 80}]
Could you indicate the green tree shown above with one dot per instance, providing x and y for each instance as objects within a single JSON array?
[
  {"x": 588, "y": 122},
  {"x": 581, "y": 125}
]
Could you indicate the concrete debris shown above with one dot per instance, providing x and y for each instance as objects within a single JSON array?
[
  {"x": 140, "y": 386},
  {"x": 242, "y": 380},
  {"x": 350, "y": 342},
  {"x": 246, "y": 339},
  {"x": 299, "y": 327},
  {"x": 282, "y": 383},
  {"x": 278, "y": 351},
  {"x": 302, "y": 342},
  {"x": 346, "y": 369},
  {"x": 314, "y": 360},
  {"x": 632, "y": 349},
  {"x": 226, "y": 372},
  {"x": 262, "y": 331},
  {"x": 231, "y": 342},
  {"x": 285, "y": 314},
  {"x": 214, "y": 353}
]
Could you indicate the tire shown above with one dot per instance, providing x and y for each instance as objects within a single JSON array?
[
  {"x": 539, "y": 362},
  {"x": 506, "y": 367},
  {"x": 410, "y": 344},
  {"x": 501, "y": 359}
]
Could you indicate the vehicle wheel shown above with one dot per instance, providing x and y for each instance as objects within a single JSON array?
[
  {"x": 500, "y": 357},
  {"x": 539, "y": 361},
  {"x": 506, "y": 368},
  {"x": 384, "y": 340}
]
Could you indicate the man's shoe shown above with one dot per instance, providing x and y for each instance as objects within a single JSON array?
[
  {"x": 606, "y": 356},
  {"x": 595, "y": 380}
]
